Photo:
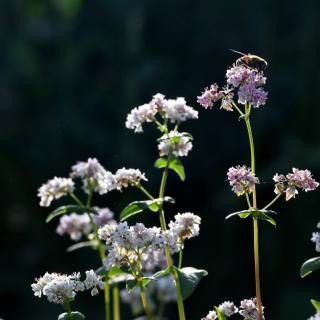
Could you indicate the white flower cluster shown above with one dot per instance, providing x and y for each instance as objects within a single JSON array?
[
  {"x": 128, "y": 245},
  {"x": 77, "y": 225},
  {"x": 125, "y": 177},
  {"x": 315, "y": 317},
  {"x": 249, "y": 309},
  {"x": 61, "y": 288},
  {"x": 226, "y": 308},
  {"x": 175, "y": 110},
  {"x": 212, "y": 315},
  {"x": 94, "y": 176},
  {"x": 178, "y": 143},
  {"x": 54, "y": 189},
  {"x": 316, "y": 238},
  {"x": 185, "y": 226}
]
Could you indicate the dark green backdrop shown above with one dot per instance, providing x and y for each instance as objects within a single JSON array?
[{"x": 70, "y": 71}]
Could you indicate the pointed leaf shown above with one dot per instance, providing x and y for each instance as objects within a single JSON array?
[
  {"x": 68, "y": 209},
  {"x": 138, "y": 206},
  {"x": 189, "y": 279},
  {"x": 75, "y": 315},
  {"x": 242, "y": 214},
  {"x": 161, "y": 273},
  {"x": 310, "y": 266},
  {"x": 316, "y": 304},
  {"x": 83, "y": 244},
  {"x": 265, "y": 217},
  {"x": 174, "y": 164}
]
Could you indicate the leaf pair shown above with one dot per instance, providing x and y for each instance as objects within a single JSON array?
[
  {"x": 259, "y": 214},
  {"x": 174, "y": 164}
]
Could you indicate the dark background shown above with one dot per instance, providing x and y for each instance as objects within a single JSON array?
[{"x": 70, "y": 71}]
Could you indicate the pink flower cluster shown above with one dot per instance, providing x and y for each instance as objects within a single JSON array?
[
  {"x": 297, "y": 179},
  {"x": 242, "y": 180}
]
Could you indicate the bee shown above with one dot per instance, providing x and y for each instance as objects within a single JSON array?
[{"x": 251, "y": 60}]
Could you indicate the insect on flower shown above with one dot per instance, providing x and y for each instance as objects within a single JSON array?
[{"x": 251, "y": 60}]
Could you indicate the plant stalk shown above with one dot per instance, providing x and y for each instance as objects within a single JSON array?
[
  {"x": 116, "y": 303},
  {"x": 255, "y": 220},
  {"x": 145, "y": 302}
]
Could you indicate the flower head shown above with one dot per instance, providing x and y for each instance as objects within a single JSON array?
[
  {"x": 249, "y": 309},
  {"x": 315, "y": 317},
  {"x": 54, "y": 189},
  {"x": 209, "y": 96},
  {"x": 178, "y": 143},
  {"x": 301, "y": 179},
  {"x": 242, "y": 180},
  {"x": 186, "y": 225},
  {"x": 212, "y": 315},
  {"x": 125, "y": 177},
  {"x": 93, "y": 282},
  {"x": 228, "y": 308},
  {"x": 177, "y": 110},
  {"x": 94, "y": 176}
]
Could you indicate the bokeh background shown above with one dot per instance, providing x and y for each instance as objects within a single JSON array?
[{"x": 70, "y": 71}]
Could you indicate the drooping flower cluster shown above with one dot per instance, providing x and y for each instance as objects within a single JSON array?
[
  {"x": 94, "y": 176},
  {"x": 316, "y": 238},
  {"x": 54, "y": 189},
  {"x": 249, "y": 309},
  {"x": 297, "y": 179},
  {"x": 242, "y": 180},
  {"x": 61, "y": 288},
  {"x": 176, "y": 142},
  {"x": 125, "y": 177},
  {"x": 247, "y": 81},
  {"x": 77, "y": 225},
  {"x": 174, "y": 110}
]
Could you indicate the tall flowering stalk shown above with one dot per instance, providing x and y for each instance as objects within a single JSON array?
[
  {"x": 167, "y": 115},
  {"x": 246, "y": 84}
]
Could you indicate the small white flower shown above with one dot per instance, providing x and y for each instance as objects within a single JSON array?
[
  {"x": 125, "y": 177},
  {"x": 186, "y": 225},
  {"x": 176, "y": 110},
  {"x": 249, "y": 309},
  {"x": 228, "y": 308},
  {"x": 178, "y": 143},
  {"x": 315, "y": 317},
  {"x": 54, "y": 189},
  {"x": 316, "y": 239},
  {"x": 93, "y": 282},
  {"x": 212, "y": 315}
]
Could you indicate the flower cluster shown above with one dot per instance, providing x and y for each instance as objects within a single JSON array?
[
  {"x": 316, "y": 238},
  {"x": 54, "y": 189},
  {"x": 61, "y": 288},
  {"x": 249, "y": 309},
  {"x": 297, "y": 179},
  {"x": 176, "y": 142},
  {"x": 125, "y": 177},
  {"x": 242, "y": 180},
  {"x": 94, "y": 176},
  {"x": 248, "y": 83},
  {"x": 77, "y": 225},
  {"x": 174, "y": 110},
  {"x": 315, "y": 317},
  {"x": 129, "y": 245}
]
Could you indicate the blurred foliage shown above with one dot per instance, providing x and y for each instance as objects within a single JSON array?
[{"x": 70, "y": 70}]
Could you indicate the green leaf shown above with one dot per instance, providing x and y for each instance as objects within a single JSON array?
[
  {"x": 161, "y": 273},
  {"x": 83, "y": 244},
  {"x": 242, "y": 214},
  {"x": 316, "y": 304},
  {"x": 265, "y": 217},
  {"x": 174, "y": 164},
  {"x": 189, "y": 279},
  {"x": 138, "y": 206},
  {"x": 132, "y": 282},
  {"x": 68, "y": 209},
  {"x": 310, "y": 266},
  {"x": 75, "y": 316}
]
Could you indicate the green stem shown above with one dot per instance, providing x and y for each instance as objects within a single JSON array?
[
  {"x": 116, "y": 303},
  {"x": 145, "y": 302},
  {"x": 67, "y": 307},
  {"x": 272, "y": 201},
  {"x": 145, "y": 192},
  {"x": 255, "y": 220},
  {"x": 180, "y": 258},
  {"x": 248, "y": 201},
  {"x": 167, "y": 250}
]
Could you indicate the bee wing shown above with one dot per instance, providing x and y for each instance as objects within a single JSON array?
[{"x": 243, "y": 54}]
